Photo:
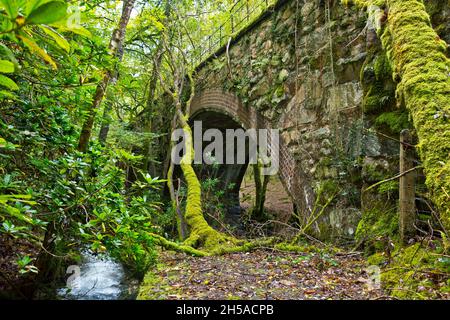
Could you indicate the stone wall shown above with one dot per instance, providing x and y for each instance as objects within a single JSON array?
[{"x": 312, "y": 69}]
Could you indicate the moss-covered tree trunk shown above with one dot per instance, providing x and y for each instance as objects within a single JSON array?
[
  {"x": 422, "y": 70},
  {"x": 201, "y": 233}
]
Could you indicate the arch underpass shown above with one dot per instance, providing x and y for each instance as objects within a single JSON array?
[
  {"x": 217, "y": 109},
  {"x": 229, "y": 175}
]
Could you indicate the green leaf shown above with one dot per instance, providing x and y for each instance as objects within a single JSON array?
[
  {"x": 8, "y": 83},
  {"x": 6, "y": 66},
  {"x": 5, "y": 95},
  {"x": 24, "y": 261},
  {"x": 11, "y": 7},
  {"x": 59, "y": 39},
  {"x": 81, "y": 31},
  {"x": 35, "y": 48},
  {"x": 10, "y": 197},
  {"x": 31, "y": 5},
  {"x": 6, "y": 53},
  {"x": 15, "y": 213},
  {"x": 75, "y": 29},
  {"x": 48, "y": 13}
]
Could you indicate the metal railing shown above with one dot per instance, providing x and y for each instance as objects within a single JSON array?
[{"x": 241, "y": 14}]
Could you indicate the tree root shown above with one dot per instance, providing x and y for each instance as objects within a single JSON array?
[
  {"x": 170, "y": 245},
  {"x": 233, "y": 246}
]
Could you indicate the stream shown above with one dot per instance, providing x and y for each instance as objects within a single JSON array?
[{"x": 98, "y": 278}]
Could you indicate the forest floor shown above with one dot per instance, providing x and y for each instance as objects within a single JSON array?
[
  {"x": 262, "y": 274},
  {"x": 12, "y": 282}
]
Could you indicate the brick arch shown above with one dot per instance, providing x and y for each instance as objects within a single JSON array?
[
  {"x": 295, "y": 181},
  {"x": 227, "y": 103}
]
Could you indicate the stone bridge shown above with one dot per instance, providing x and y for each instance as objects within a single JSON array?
[
  {"x": 312, "y": 69},
  {"x": 223, "y": 110}
]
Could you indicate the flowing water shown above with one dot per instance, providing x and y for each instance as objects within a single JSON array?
[{"x": 98, "y": 278}]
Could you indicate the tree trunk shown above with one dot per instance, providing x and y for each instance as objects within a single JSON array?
[
  {"x": 260, "y": 192},
  {"x": 202, "y": 234},
  {"x": 182, "y": 227},
  {"x": 148, "y": 154},
  {"x": 420, "y": 64},
  {"x": 262, "y": 202},
  {"x": 146, "y": 114},
  {"x": 106, "y": 120},
  {"x": 86, "y": 131},
  {"x": 116, "y": 46}
]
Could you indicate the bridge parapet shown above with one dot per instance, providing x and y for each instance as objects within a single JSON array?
[{"x": 242, "y": 15}]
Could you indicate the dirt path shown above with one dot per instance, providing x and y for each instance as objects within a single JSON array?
[
  {"x": 262, "y": 274},
  {"x": 278, "y": 206},
  {"x": 277, "y": 200}
]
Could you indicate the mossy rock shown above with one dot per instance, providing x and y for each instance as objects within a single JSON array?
[
  {"x": 377, "y": 99},
  {"x": 393, "y": 122},
  {"x": 377, "y": 259},
  {"x": 377, "y": 224}
]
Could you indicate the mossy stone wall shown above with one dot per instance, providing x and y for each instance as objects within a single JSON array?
[{"x": 319, "y": 74}]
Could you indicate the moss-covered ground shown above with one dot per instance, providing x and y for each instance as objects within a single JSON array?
[{"x": 418, "y": 271}]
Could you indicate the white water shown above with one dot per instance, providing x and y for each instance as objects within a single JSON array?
[{"x": 95, "y": 279}]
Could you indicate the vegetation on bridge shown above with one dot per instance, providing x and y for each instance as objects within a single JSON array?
[{"x": 420, "y": 66}]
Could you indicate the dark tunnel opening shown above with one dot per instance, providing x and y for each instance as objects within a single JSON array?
[{"x": 229, "y": 175}]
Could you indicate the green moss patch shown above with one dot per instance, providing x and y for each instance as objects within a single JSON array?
[
  {"x": 393, "y": 122},
  {"x": 376, "y": 226},
  {"x": 416, "y": 272}
]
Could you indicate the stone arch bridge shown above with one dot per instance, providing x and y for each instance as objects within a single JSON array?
[
  {"x": 217, "y": 109},
  {"x": 307, "y": 67}
]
